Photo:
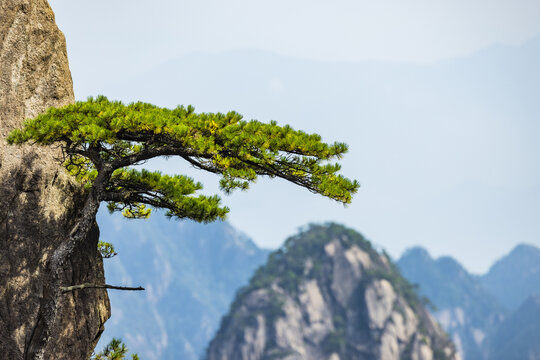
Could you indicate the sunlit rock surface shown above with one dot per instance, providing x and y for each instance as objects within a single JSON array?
[{"x": 327, "y": 294}]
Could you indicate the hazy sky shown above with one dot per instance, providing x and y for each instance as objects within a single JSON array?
[
  {"x": 417, "y": 175},
  {"x": 128, "y": 34}
]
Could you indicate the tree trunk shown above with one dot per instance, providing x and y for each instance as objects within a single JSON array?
[{"x": 40, "y": 203}]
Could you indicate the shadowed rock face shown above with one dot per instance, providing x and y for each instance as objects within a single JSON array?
[
  {"x": 38, "y": 201},
  {"x": 327, "y": 294}
]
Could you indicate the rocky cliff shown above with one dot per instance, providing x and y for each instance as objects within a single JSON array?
[
  {"x": 327, "y": 294},
  {"x": 38, "y": 201}
]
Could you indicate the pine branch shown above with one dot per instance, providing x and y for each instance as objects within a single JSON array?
[{"x": 66, "y": 289}]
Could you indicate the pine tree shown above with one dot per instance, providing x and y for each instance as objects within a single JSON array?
[
  {"x": 102, "y": 139},
  {"x": 115, "y": 350}
]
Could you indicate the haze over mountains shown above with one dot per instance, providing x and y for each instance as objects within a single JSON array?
[
  {"x": 191, "y": 272},
  {"x": 518, "y": 336},
  {"x": 444, "y": 151},
  {"x": 493, "y": 316},
  {"x": 464, "y": 307},
  {"x": 512, "y": 278}
]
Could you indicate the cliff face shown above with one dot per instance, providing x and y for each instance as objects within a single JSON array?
[
  {"x": 328, "y": 295},
  {"x": 38, "y": 201}
]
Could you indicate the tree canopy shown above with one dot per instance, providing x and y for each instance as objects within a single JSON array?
[{"x": 101, "y": 139}]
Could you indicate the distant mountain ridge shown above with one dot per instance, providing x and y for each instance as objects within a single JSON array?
[
  {"x": 515, "y": 277},
  {"x": 190, "y": 271},
  {"x": 370, "y": 106},
  {"x": 475, "y": 310},
  {"x": 464, "y": 308}
]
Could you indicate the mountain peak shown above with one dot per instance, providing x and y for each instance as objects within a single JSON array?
[
  {"x": 328, "y": 294},
  {"x": 417, "y": 253},
  {"x": 525, "y": 250}
]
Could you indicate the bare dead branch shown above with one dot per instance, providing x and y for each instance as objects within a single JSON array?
[{"x": 66, "y": 289}]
